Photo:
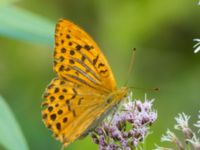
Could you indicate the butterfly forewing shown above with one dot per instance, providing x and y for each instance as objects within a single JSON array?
[{"x": 77, "y": 58}]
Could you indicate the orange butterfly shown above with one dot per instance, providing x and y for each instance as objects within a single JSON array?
[{"x": 84, "y": 91}]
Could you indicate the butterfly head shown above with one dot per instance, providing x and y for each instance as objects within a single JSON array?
[
  {"x": 117, "y": 96},
  {"x": 123, "y": 92}
]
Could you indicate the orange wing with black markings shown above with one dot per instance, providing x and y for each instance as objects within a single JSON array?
[
  {"x": 77, "y": 58},
  {"x": 79, "y": 95},
  {"x": 67, "y": 107}
]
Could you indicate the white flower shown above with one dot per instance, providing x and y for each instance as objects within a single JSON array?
[
  {"x": 195, "y": 142},
  {"x": 170, "y": 136},
  {"x": 182, "y": 121},
  {"x": 182, "y": 125},
  {"x": 197, "y": 45},
  {"x": 198, "y": 122}
]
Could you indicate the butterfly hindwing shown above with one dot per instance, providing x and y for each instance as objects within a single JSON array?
[{"x": 70, "y": 109}]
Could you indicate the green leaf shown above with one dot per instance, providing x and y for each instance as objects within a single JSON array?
[
  {"x": 11, "y": 136},
  {"x": 21, "y": 24}
]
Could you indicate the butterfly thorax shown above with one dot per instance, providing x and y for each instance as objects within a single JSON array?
[{"x": 116, "y": 96}]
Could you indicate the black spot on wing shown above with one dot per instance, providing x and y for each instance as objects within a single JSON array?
[
  {"x": 100, "y": 65},
  {"x": 74, "y": 113},
  {"x": 68, "y": 105},
  {"x": 53, "y": 117},
  {"x": 95, "y": 60},
  {"x": 80, "y": 100},
  {"x": 78, "y": 47},
  {"x": 65, "y": 120},
  {"x": 103, "y": 71},
  {"x": 58, "y": 126}
]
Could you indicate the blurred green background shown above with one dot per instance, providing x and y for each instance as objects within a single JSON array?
[{"x": 162, "y": 32}]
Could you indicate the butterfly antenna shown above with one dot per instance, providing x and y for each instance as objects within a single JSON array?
[
  {"x": 146, "y": 89},
  {"x": 130, "y": 68}
]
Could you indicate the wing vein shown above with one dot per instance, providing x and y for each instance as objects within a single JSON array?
[
  {"x": 86, "y": 67},
  {"x": 84, "y": 74}
]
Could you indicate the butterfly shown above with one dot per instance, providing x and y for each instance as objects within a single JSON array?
[{"x": 84, "y": 91}]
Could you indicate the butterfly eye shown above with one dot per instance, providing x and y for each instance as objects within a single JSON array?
[{"x": 125, "y": 95}]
